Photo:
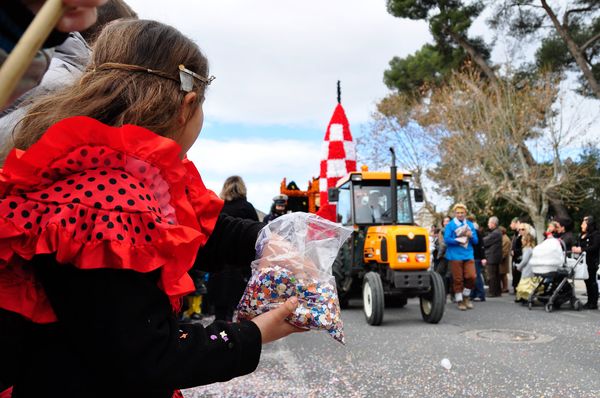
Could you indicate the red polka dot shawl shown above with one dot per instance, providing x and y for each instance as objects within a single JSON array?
[{"x": 100, "y": 197}]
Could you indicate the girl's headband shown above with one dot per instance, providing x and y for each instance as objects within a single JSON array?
[{"x": 186, "y": 76}]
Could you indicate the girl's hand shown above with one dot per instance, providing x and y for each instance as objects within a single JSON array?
[
  {"x": 280, "y": 252},
  {"x": 273, "y": 325}
]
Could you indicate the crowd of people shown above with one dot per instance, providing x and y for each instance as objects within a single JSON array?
[{"x": 469, "y": 257}]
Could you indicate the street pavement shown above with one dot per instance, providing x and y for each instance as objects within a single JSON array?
[{"x": 498, "y": 349}]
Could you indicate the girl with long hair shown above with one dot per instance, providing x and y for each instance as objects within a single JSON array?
[{"x": 101, "y": 218}]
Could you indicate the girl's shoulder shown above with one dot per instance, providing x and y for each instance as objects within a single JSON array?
[{"x": 105, "y": 197}]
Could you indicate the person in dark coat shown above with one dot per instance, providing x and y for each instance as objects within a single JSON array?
[
  {"x": 516, "y": 252},
  {"x": 278, "y": 208},
  {"x": 589, "y": 243},
  {"x": 227, "y": 286},
  {"x": 565, "y": 234},
  {"x": 492, "y": 244},
  {"x": 478, "y": 294}
]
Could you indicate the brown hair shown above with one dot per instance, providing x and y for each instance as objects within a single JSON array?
[
  {"x": 112, "y": 10},
  {"x": 233, "y": 188},
  {"x": 117, "y": 96}
]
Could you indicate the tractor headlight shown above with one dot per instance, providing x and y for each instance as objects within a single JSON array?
[
  {"x": 402, "y": 258},
  {"x": 420, "y": 258}
]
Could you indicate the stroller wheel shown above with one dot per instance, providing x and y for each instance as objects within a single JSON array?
[
  {"x": 576, "y": 305},
  {"x": 549, "y": 307}
]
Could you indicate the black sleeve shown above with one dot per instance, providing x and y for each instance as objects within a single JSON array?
[
  {"x": 232, "y": 242},
  {"x": 123, "y": 328},
  {"x": 592, "y": 249},
  {"x": 252, "y": 214}
]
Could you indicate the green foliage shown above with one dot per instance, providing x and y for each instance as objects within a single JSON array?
[
  {"x": 553, "y": 54},
  {"x": 590, "y": 162},
  {"x": 433, "y": 63},
  {"x": 449, "y": 23},
  {"x": 428, "y": 66},
  {"x": 526, "y": 20}
]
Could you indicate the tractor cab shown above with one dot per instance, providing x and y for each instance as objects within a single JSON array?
[
  {"x": 365, "y": 198},
  {"x": 388, "y": 257}
]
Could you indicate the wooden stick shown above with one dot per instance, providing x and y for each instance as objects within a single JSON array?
[{"x": 21, "y": 56}]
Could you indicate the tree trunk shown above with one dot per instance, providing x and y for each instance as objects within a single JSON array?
[
  {"x": 539, "y": 223},
  {"x": 559, "y": 208},
  {"x": 573, "y": 49},
  {"x": 477, "y": 58}
]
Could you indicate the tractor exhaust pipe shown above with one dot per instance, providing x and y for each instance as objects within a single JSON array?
[{"x": 394, "y": 187}]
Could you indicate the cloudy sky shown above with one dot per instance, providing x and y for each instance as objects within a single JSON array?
[{"x": 276, "y": 65}]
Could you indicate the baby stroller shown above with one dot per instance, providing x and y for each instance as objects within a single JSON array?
[{"x": 557, "y": 273}]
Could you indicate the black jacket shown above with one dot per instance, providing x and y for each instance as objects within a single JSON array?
[
  {"x": 226, "y": 286},
  {"x": 478, "y": 252},
  {"x": 516, "y": 248},
  {"x": 117, "y": 334},
  {"x": 240, "y": 208},
  {"x": 492, "y": 243},
  {"x": 568, "y": 239},
  {"x": 590, "y": 244}
]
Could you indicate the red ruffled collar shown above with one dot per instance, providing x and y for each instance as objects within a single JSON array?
[{"x": 100, "y": 197}]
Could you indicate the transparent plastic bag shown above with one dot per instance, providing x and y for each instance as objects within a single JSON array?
[{"x": 295, "y": 254}]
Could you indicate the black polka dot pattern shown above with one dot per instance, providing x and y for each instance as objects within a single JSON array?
[
  {"x": 86, "y": 203},
  {"x": 90, "y": 200}
]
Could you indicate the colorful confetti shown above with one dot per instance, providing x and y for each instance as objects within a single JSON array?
[{"x": 318, "y": 304}]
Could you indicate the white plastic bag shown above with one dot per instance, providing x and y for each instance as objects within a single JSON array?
[
  {"x": 295, "y": 254},
  {"x": 581, "y": 269},
  {"x": 547, "y": 257}
]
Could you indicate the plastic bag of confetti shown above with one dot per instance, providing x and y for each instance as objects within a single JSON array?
[{"x": 295, "y": 254}]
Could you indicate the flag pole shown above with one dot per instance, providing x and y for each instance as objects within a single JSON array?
[{"x": 21, "y": 56}]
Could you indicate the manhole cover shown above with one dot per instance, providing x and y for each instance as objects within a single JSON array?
[{"x": 508, "y": 336}]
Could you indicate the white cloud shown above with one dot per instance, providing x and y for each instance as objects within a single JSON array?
[
  {"x": 277, "y": 62},
  {"x": 261, "y": 163}
]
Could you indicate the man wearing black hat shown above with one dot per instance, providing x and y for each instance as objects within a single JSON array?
[{"x": 278, "y": 208}]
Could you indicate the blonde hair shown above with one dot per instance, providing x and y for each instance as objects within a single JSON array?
[
  {"x": 128, "y": 94},
  {"x": 233, "y": 188},
  {"x": 528, "y": 240},
  {"x": 460, "y": 206}
]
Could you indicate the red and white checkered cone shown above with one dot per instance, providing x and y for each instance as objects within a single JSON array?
[{"x": 338, "y": 158}]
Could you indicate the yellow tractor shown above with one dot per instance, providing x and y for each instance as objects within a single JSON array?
[{"x": 388, "y": 257}]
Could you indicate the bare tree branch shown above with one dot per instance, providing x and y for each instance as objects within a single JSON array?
[{"x": 588, "y": 43}]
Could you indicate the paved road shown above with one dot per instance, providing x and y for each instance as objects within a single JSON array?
[{"x": 499, "y": 349}]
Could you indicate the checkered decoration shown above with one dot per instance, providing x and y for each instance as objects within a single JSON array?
[{"x": 338, "y": 156}]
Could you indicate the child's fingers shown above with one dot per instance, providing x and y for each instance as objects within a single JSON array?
[{"x": 288, "y": 307}]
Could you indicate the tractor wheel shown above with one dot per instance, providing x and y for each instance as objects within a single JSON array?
[
  {"x": 395, "y": 301},
  {"x": 373, "y": 302},
  {"x": 433, "y": 302}
]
